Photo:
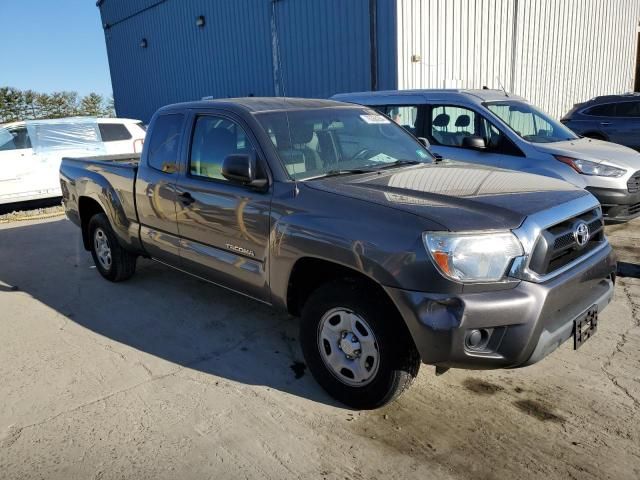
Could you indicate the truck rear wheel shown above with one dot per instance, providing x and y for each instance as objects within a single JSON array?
[
  {"x": 356, "y": 346},
  {"x": 112, "y": 261}
]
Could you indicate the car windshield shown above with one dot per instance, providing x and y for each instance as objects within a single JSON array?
[
  {"x": 318, "y": 142},
  {"x": 530, "y": 123}
]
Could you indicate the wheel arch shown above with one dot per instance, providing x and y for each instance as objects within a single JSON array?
[
  {"x": 87, "y": 208},
  {"x": 309, "y": 273}
]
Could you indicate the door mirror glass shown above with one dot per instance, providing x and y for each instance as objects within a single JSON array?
[{"x": 474, "y": 142}]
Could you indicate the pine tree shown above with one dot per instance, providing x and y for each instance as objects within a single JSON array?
[
  {"x": 16, "y": 105},
  {"x": 11, "y": 104},
  {"x": 92, "y": 105},
  {"x": 30, "y": 105}
]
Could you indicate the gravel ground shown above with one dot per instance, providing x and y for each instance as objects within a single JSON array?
[{"x": 166, "y": 376}]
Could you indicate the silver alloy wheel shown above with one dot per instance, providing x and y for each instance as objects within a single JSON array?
[
  {"x": 103, "y": 250},
  {"x": 348, "y": 347}
]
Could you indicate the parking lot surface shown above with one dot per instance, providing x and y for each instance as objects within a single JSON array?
[{"x": 166, "y": 376}]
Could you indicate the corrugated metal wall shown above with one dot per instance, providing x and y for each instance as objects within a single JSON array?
[
  {"x": 182, "y": 61},
  {"x": 553, "y": 52},
  {"x": 318, "y": 48}
]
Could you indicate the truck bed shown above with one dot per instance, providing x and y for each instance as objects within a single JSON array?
[
  {"x": 127, "y": 159},
  {"x": 109, "y": 180}
]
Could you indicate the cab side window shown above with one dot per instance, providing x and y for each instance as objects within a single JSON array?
[
  {"x": 215, "y": 138},
  {"x": 628, "y": 109},
  {"x": 450, "y": 124},
  {"x": 404, "y": 115},
  {"x": 113, "y": 132},
  {"x": 604, "y": 110},
  {"x": 164, "y": 143}
]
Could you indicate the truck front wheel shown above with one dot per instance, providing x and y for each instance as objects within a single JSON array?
[
  {"x": 356, "y": 346},
  {"x": 112, "y": 261}
]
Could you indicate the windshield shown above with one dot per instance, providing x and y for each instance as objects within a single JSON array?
[
  {"x": 529, "y": 123},
  {"x": 327, "y": 141}
]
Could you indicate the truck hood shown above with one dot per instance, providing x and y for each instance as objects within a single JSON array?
[
  {"x": 595, "y": 151},
  {"x": 458, "y": 196}
]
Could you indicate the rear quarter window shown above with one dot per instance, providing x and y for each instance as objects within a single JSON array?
[
  {"x": 114, "y": 132},
  {"x": 604, "y": 110},
  {"x": 164, "y": 142}
]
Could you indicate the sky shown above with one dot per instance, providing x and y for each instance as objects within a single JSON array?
[{"x": 53, "y": 45}]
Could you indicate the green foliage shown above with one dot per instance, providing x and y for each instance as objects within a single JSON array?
[
  {"x": 92, "y": 105},
  {"x": 17, "y": 105}
]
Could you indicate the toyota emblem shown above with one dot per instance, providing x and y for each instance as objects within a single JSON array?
[{"x": 581, "y": 234}]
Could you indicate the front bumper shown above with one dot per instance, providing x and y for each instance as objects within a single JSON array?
[
  {"x": 618, "y": 205},
  {"x": 522, "y": 324}
]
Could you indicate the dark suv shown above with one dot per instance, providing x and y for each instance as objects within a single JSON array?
[{"x": 614, "y": 118}]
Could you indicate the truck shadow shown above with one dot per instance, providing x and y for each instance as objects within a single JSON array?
[
  {"x": 628, "y": 270},
  {"x": 162, "y": 312}
]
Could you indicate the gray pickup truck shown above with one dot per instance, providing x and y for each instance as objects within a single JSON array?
[{"x": 334, "y": 213}]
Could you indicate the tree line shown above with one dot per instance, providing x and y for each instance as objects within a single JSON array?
[{"x": 17, "y": 105}]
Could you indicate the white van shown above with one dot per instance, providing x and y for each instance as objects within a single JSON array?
[{"x": 31, "y": 151}]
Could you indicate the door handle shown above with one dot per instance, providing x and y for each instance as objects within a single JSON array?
[
  {"x": 605, "y": 124},
  {"x": 186, "y": 198}
]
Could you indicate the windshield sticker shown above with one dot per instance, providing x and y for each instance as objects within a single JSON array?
[
  {"x": 375, "y": 119},
  {"x": 422, "y": 153},
  {"x": 382, "y": 158}
]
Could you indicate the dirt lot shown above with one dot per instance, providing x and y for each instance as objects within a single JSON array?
[{"x": 168, "y": 377}]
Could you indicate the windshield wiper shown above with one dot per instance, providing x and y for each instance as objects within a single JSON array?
[
  {"x": 397, "y": 163},
  {"x": 365, "y": 169},
  {"x": 342, "y": 171}
]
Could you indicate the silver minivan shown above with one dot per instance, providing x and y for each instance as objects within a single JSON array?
[{"x": 491, "y": 127}]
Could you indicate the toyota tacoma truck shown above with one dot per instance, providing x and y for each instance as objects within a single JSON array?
[{"x": 334, "y": 213}]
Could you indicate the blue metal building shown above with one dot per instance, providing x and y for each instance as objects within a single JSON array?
[
  {"x": 167, "y": 51},
  {"x": 551, "y": 52}
]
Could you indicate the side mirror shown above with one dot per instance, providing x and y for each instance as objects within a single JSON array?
[
  {"x": 242, "y": 169},
  {"x": 474, "y": 142},
  {"x": 424, "y": 142}
]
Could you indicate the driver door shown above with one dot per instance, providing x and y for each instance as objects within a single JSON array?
[{"x": 223, "y": 226}]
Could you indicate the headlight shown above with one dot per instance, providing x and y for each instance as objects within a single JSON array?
[
  {"x": 473, "y": 257},
  {"x": 586, "y": 167}
]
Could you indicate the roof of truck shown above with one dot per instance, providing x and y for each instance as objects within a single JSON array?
[{"x": 259, "y": 104}]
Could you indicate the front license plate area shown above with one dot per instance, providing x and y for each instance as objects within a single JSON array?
[{"x": 585, "y": 327}]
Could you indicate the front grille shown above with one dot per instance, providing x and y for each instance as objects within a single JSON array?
[
  {"x": 633, "y": 209},
  {"x": 557, "y": 245},
  {"x": 634, "y": 183}
]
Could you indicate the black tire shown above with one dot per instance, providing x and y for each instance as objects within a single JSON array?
[
  {"x": 399, "y": 360},
  {"x": 122, "y": 263}
]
